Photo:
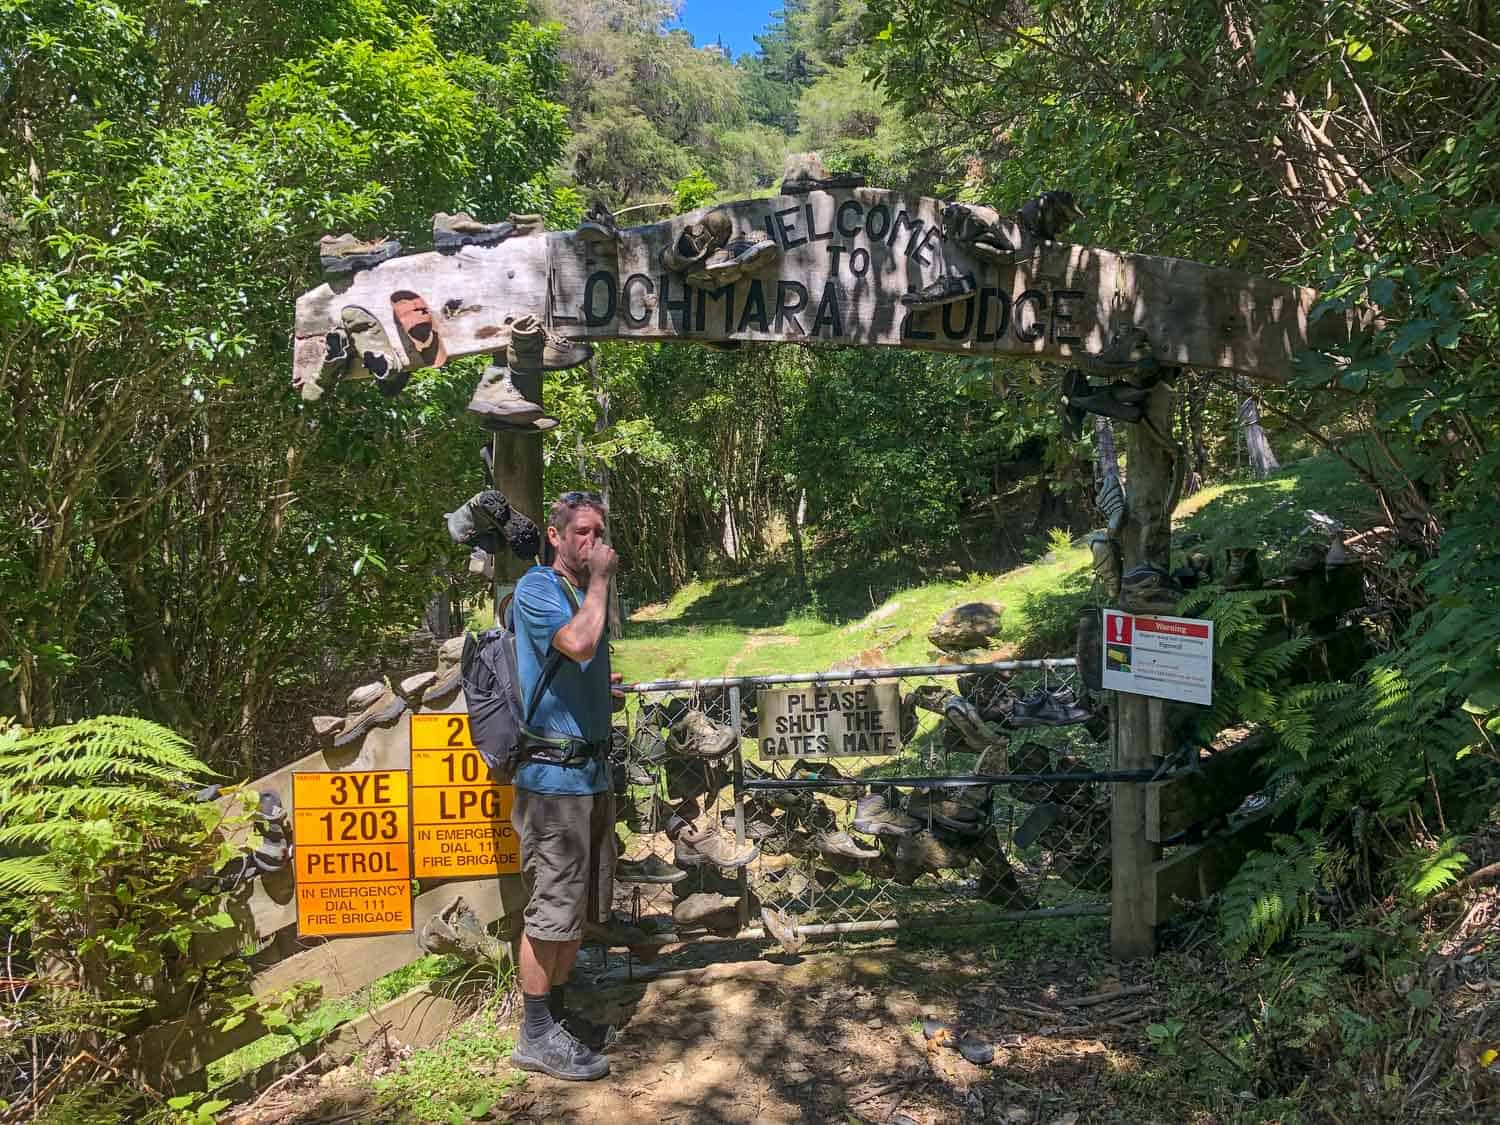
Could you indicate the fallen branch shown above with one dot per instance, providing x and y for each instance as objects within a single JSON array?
[
  {"x": 1106, "y": 997},
  {"x": 1487, "y": 874}
]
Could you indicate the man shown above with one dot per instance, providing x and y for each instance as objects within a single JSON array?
[{"x": 564, "y": 810}]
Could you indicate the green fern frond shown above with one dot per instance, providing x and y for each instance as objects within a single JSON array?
[
  {"x": 30, "y": 875},
  {"x": 1272, "y": 893},
  {"x": 1424, "y": 871}
]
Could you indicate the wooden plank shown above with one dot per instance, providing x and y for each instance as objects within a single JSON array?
[
  {"x": 418, "y": 1018},
  {"x": 346, "y": 965},
  {"x": 183, "y": 1045},
  {"x": 1213, "y": 788},
  {"x": 1192, "y": 874},
  {"x": 845, "y": 258}
]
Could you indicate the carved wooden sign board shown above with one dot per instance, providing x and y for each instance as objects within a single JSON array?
[{"x": 842, "y": 262}]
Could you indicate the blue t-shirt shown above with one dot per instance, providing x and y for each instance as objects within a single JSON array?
[{"x": 576, "y": 703}]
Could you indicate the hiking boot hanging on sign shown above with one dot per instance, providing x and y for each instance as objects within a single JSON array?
[
  {"x": 943, "y": 291},
  {"x": 373, "y": 347},
  {"x": 370, "y": 706},
  {"x": 533, "y": 348},
  {"x": 414, "y": 320},
  {"x": 1148, "y": 589},
  {"x": 738, "y": 259},
  {"x": 805, "y": 173},
  {"x": 696, "y": 241},
  {"x": 1129, "y": 351},
  {"x": 345, "y": 253},
  {"x": 1048, "y": 215},
  {"x": 496, "y": 400},
  {"x": 453, "y": 232},
  {"x": 598, "y": 225},
  {"x": 978, "y": 228}
]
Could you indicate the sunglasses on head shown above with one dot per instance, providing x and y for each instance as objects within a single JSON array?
[{"x": 572, "y": 498}]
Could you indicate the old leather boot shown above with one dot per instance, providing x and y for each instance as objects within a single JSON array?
[
  {"x": 533, "y": 348},
  {"x": 695, "y": 847},
  {"x": 496, "y": 399},
  {"x": 874, "y": 816},
  {"x": 376, "y": 703},
  {"x": 738, "y": 258},
  {"x": 453, "y": 232},
  {"x": 345, "y": 253},
  {"x": 943, "y": 291},
  {"x": 696, "y": 735}
]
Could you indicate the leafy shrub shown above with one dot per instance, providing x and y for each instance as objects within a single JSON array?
[{"x": 105, "y": 882}]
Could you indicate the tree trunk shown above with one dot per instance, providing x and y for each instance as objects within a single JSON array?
[
  {"x": 1197, "y": 396},
  {"x": 795, "y": 512},
  {"x": 1262, "y": 460}
]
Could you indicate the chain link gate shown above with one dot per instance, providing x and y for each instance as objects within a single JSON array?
[{"x": 1010, "y": 821}]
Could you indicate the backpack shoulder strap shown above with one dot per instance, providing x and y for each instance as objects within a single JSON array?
[{"x": 554, "y": 659}]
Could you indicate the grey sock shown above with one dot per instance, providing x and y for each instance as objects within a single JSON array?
[
  {"x": 555, "y": 1003},
  {"x": 538, "y": 1018}
]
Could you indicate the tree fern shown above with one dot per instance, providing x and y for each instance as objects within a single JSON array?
[
  {"x": 54, "y": 780},
  {"x": 1272, "y": 893}
]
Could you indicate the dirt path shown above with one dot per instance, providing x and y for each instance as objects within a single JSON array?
[
  {"x": 835, "y": 1038},
  {"x": 755, "y": 641}
]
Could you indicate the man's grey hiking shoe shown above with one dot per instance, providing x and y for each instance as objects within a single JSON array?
[
  {"x": 369, "y": 707},
  {"x": 696, "y": 735},
  {"x": 560, "y": 1055},
  {"x": 874, "y": 816},
  {"x": 652, "y": 869},
  {"x": 344, "y": 253},
  {"x": 697, "y": 847},
  {"x": 696, "y": 241}
]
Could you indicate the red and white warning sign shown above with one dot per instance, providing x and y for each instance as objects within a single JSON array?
[{"x": 1167, "y": 657}]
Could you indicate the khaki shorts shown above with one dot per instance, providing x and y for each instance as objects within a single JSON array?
[{"x": 567, "y": 861}]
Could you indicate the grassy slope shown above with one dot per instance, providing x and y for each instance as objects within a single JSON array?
[{"x": 753, "y": 624}]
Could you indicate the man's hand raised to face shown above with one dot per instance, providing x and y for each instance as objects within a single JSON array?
[{"x": 602, "y": 562}]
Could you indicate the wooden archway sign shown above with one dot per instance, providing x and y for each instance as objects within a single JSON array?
[{"x": 844, "y": 260}]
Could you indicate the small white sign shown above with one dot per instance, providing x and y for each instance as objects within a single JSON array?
[{"x": 1166, "y": 657}]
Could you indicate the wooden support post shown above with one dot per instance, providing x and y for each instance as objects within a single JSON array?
[{"x": 1146, "y": 537}]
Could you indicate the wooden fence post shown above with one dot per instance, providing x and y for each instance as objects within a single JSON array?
[{"x": 1146, "y": 537}]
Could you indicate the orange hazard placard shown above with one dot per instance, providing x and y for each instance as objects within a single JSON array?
[
  {"x": 440, "y": 732},
  {"x": 460, "y": 819},
  {"x": 352, "y": 852}
]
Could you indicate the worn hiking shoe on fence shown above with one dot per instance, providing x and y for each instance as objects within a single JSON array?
[
  {"x": 453, "y": 232},
  {"x": 1044, "y": 708},
  {"x": 383, "y": 706},
  {"x": 559, "y": 1054},
  {"x": 874, "y": 816},
  {"x": 1242, "y": 568},
  {"x": 696, "y": 735},
  {"x": 652, "y": 869},
  {"x": 695, "y": 847},
  {"x": 935, "y": 809},
  {"x": 1041, "y": 818},
  {"x": 782, "y": 928},
  {"x": 923, "y": 853},
  {"x": 977, "y": 734},
  {"x": 843, "y": 852},
  {"x": 345, "y": 252}
]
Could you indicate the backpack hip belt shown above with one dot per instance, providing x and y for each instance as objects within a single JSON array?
[{"x": 560, "y": 750}]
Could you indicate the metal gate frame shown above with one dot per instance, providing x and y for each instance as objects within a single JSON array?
[{"x": 728, "y": 693}]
